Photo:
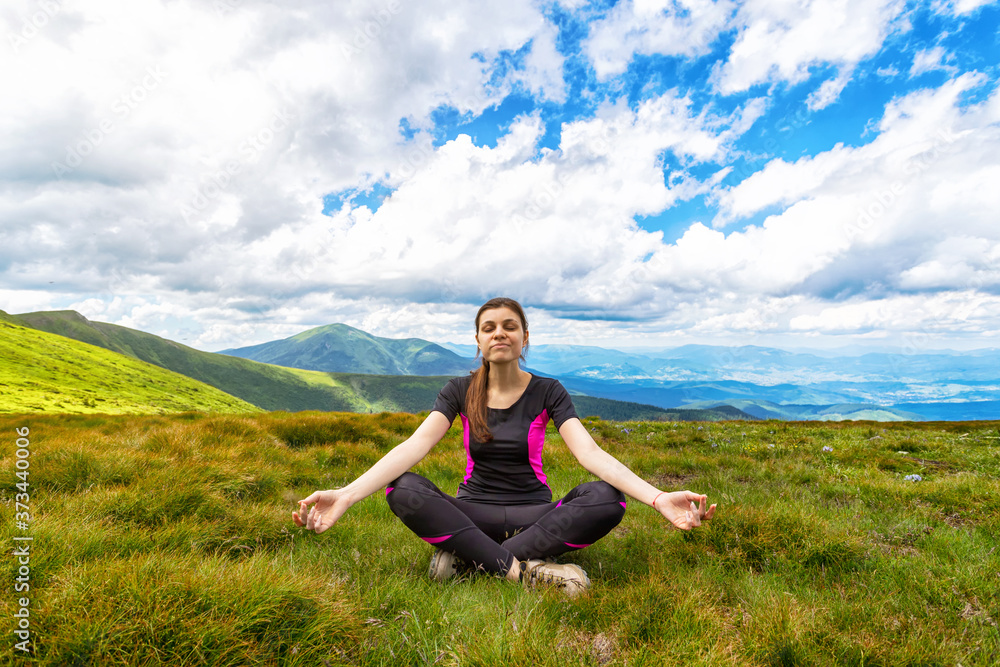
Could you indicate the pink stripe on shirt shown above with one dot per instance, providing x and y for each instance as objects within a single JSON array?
[
  {"x": 469, "y": 463},
  {"x": 536, "y": 441}
]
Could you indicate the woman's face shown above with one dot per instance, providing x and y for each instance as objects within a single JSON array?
[{"x": 500, "y": 337}]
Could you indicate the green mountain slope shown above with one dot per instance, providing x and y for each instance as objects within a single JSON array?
[
  {"x": 43, "y": 372},
  {"x": 266, "y": 386},
  {"x": 291, "y": 389},
  {"x": 340, "y": 348}
]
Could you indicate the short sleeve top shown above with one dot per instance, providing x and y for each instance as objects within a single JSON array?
[{"x": 508, "y": 469}]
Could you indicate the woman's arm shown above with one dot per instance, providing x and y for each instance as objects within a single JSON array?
[
  {"x": 331, "y": 504},
  {"x": 677, "y": 507}
]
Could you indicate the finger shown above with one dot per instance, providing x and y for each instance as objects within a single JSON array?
[
  {"x": 311, "y": 498},
  {"x": 302, "y": 516},
  {"x": 710, "y": 513}
]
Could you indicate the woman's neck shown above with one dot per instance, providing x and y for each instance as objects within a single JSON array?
[{"x": 507, "y": 376}]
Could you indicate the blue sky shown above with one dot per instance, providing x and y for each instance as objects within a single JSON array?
[{"x": 813, "y": 174}]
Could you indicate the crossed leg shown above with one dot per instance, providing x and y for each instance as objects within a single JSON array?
[{"x": 492, "y": 537}]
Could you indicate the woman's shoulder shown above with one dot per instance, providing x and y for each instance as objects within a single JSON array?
[
  {"x": 543, "y": 384},
  {"x": 458, "y": 384}
]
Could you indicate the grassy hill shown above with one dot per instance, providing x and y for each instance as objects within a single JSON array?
[
  {"x": 43, "y": 372},
  {"x": 266, "y": 386}
]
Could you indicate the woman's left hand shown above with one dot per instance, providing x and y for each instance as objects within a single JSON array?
[{"x": 679, "y": 508}]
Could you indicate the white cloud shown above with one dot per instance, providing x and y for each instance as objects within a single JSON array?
[
  {"x": 955, "y": 312},
  {"x": 783, "y": 41},
  {"x": 543, "y": 73},
  {"x": 928, "y": 60},
  {"x": 775, "y": 41},
  {"x": 956, "y": 263},
  {"x": 666, "y": 27},
  {"x": 151, "y": 136},
  {"x": 196, "y": 143},
  {"x": 829, "y": 91},
  {"x": 557, "y": 227},
  {"x": 959, "y": 7},
  {"x": 880, "y": 216}
]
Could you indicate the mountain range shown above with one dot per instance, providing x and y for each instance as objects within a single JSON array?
[
  {"x": 59, "y": 361},
  {"x": 763, "y": 382},
  {"x": 338, "y": 367}
]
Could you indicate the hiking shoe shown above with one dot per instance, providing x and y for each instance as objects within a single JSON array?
[
  {"x": 444, "y": 565},
  {"x": 568, "y": 578}
]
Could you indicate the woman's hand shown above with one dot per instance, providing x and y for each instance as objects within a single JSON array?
[
  {"x": 330, "y": 506},
  {"x": 679, "y": 508}
]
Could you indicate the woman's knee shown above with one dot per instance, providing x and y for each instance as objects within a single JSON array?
[
  {"x": 408, "y": 494},
  {"x": 408, "y": 480},
  {"x": 599, "y": 492}
]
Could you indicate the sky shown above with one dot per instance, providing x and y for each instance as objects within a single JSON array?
[{"x": 816, "y": 173}]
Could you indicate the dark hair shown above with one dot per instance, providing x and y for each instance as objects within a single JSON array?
[{"x": 476, "y": 396}]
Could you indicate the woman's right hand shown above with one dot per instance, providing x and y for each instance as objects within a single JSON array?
[{"x": 328, "y": 508}]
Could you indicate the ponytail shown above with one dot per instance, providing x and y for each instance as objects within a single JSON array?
[{"x": 475, "y": 403}]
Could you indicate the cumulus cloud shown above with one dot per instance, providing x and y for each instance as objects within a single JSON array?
[
  {"x": 930, "y": 162},
  {"x": 775, "y": 42},
  {"x": 505, "y": 211},
  {"x": 164, "y": 166},
  {"x": 151, "y": 136},
  {"x": 783, "y": 42},
  {"x": 664, "y": 27},
  {"x": 966, "y": 312}
]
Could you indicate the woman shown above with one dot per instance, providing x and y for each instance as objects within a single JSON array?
[{"x": 503, "y": 519}]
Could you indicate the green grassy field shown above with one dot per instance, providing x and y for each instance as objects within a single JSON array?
[
  {"x": 43, "y": 372},
  {"x": 167, "y": 540}
]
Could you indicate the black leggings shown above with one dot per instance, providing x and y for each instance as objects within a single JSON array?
[{"x": 490, "y": 537}]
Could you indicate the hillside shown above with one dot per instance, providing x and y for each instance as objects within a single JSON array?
[
  {"x": 290, "y": 389},
  {"x": 43, "y": 372},
  {"x": 340, "y": 348},
  {"x": 266, "y": 386}
]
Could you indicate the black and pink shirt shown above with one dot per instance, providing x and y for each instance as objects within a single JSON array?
[{"x": 508, "y": 469}]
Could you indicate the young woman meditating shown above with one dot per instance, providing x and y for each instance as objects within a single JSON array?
[{"x": 503, "y": 519}]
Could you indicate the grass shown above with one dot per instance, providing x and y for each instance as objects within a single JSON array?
[
  {"x": 43, "y": 372},
  {"x": 167, "y": 540}
]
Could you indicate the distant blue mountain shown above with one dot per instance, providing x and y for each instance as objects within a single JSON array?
[
  {"x": 761, "y": 381},
  {"x": 987, "y": 410}
]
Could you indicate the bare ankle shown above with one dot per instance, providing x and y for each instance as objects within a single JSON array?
[{"x": 514, "y": 573}]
